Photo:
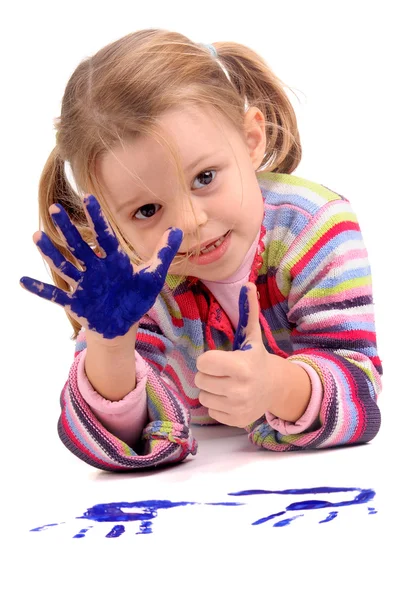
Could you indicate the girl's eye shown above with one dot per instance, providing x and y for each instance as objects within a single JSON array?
[
  {"x": 205, "y": 178},
  {"x": 146, "y": 211}
]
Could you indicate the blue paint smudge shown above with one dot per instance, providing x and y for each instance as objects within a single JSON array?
[
  {"x": 145, "y": 527},
  {"x": 269, "y": 518},
  {"x": 112, "y": 512},
  {"x": 43, "y": 527},
  {"x": 330, "y": 517},
  {"x": 371, "y": 510},
  {"x": 240, "y": 334},
  {"x": 110, "y": 295},
  {"x": 224, "y": 504},
  {"x": 116, "y": 531},
  {"x": 298, "y": 491},
  {"x": 81, "y": 534},
  {"x": 285, "y": 522}
]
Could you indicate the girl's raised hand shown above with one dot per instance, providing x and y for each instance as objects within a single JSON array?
[{"x": 108, "y": 296}]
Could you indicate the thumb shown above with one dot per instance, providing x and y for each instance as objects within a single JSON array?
[{"x": 248, "y": 330}]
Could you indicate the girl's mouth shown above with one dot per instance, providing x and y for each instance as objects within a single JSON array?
[
  {"x": 214, "y": 245},
  {"x": 212, "y": 252}
]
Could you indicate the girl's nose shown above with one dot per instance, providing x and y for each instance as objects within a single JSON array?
[{"x": 192, "y": 217}]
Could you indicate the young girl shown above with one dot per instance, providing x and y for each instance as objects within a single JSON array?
[{"x": 204, "y": 282}]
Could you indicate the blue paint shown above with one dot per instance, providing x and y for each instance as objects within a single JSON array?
[
  {"x": 145, "y": 511},
  {"x": 269, "y": 518},
  {"x": 330, "y": 517},
  {"x": 240, "y": 334},
  {"x": 116, "y": 531},
  {"x": 145, "y": 527},
  {"x": 47, "y": 247},
  {"x": 113, "y": 511},
  {"x": 362, "y": 497},
  {"x": 371, "y": 510},
  {"x": 43, "y": 527},
  {"x": 109, "y": 294},
  {"x": 299, "y": 491},
  {"x": 224, "y": 504},
  {"x": 81, "y": 534},
  {"x": 285, "y": 522}
]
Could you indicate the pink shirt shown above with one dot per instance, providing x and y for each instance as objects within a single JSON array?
[{"x": 127, "y": 417}]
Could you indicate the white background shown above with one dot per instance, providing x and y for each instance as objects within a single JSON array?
[{"x": 342, "y": 60}]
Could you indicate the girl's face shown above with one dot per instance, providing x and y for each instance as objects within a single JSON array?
[{"x": 144, "y": 194}]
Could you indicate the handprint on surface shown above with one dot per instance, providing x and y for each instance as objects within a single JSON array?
[
  {"x": 113, "y": 512},
  {"x": 362, "y": 497},
  {"x": 146, "y": 511},
  {"x": 109, "y": 294}
]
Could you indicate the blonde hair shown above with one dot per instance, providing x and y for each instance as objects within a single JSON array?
[{"x": 119, "y": 93}]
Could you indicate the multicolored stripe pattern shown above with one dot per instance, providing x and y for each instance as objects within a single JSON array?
[{"x": 314, "y": 280}]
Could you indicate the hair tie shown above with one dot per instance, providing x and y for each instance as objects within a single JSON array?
[
  {"x": 213, "y": 52},
  {"x": 211, "y": 49}
]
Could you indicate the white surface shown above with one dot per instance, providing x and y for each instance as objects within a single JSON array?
[
  {"x": 211, "y": 551},
  {"x": 342, "y": 60}
]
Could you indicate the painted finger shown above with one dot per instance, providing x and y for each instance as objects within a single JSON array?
[
  {"x": 46, "y": 291},
  {"x": 167, "y": 251},
  {"x": 56, "y": 260},
  {"x": 243, "y": 306},
  {"x": 77, "y": 246},
  {"x": 105, "y": 236}
]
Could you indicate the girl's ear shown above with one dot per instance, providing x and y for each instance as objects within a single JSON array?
[{"x": 255, "y": 135}]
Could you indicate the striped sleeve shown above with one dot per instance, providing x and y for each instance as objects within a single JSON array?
[
  {"x": 167, "y": 437},
  {"x": 325, "y": 281}
]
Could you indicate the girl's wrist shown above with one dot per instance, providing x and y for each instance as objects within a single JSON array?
[
  {"x": 123, "y": 341},
  {"x": 294, "y": 392}
]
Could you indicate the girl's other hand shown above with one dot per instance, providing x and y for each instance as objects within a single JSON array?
[{"x": 108, "y": 296}]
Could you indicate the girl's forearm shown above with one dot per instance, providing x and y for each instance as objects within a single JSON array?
[{"x": 110, "y": 364}]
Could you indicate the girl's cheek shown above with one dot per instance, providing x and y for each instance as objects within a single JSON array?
[
  {"x": 145, "y": 243},
  {"x": 136, "y": 239},
  {"x": 143, "y": 248}
]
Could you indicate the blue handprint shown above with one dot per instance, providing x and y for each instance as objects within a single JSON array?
[
  {"x": 146, "y": 511},
  {"x": 362, "y": 497},
  {"x": 109, "y": 294}
]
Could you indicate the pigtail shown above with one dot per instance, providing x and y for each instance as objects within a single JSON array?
[
  {"x": 54, "y": 187},
  {"x": 260, "y": 87}
]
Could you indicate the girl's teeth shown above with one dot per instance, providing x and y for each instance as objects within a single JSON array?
[{"x": 213, "y": 246}]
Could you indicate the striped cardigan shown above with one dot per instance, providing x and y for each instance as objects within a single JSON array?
[{"x": 314, "y": 281}]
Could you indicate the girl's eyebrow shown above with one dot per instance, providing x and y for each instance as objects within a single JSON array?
[
  {"x": 196, "y": 162},
  {"x": 127, "y": 203}
]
